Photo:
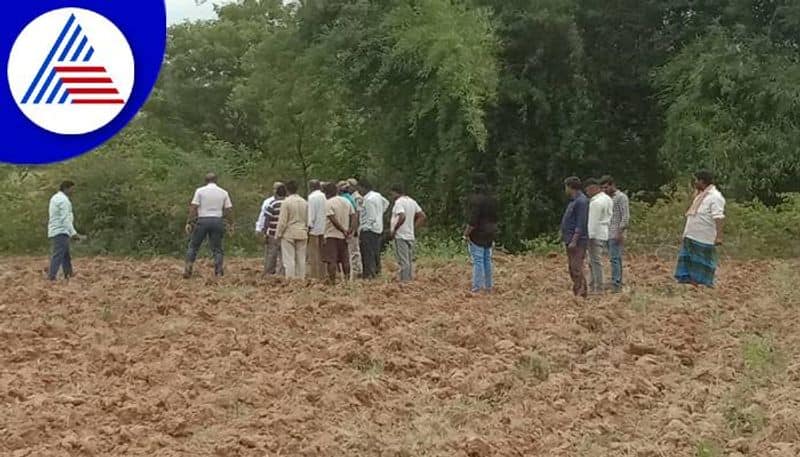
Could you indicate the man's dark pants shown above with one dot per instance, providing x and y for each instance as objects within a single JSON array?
[
  {"x": 214, "y": 229},
  {"x": 60, "y": 257},
  {"x": 576, "y": 257},
  {"x": 371, "y": 244}
]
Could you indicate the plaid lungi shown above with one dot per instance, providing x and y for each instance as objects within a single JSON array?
[{"x": 697, "y": 263}]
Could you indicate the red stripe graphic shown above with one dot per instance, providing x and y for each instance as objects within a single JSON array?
[
  {"x": 81, "y": 69},
  {"x": 92, "y": 90},
  {"x": 99, "y": 102},
  {"x": 86, "y": 80}
]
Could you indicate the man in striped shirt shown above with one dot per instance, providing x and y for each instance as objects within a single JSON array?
[
  {"x": 617, "y": 229},
  {"x": 272, "y": 252}
]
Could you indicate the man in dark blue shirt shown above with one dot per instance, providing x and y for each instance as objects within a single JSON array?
[{"x": 574, "y": 233}]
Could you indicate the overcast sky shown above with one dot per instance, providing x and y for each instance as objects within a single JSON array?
[{"x": 180, "y": 10}]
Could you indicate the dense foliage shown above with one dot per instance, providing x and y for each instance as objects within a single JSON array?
[{"x": 428, "y": 92}]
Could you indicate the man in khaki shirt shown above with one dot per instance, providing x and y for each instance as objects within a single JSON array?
[
  {"x": 340, "y": 223},
  {"x": 292, "y": 230}
]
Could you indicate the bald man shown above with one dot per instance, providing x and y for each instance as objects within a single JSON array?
[{"x": 210, "y": 208}]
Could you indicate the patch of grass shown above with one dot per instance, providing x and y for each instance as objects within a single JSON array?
[
  {"x": 744, "y": 419},
  {"x": 105, "y": 312},
  {"x": 370, "y": 366},
  {"x": 761, "y": 358},
  {"x": 707, "y": 449},
  {"x": 784, "y": 278},
  {"x": 640, "y": 302},
  {"x": 532, "y": 366}
]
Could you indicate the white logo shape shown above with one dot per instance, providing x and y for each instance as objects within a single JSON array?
[{"x": 71, "y": 71}]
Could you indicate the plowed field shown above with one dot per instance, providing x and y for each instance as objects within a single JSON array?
[{"x": 128, "y": 359}]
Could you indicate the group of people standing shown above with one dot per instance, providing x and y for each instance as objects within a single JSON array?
[
  {"x": 338, "y": 229},
  {"x": 596, "y": 224}
]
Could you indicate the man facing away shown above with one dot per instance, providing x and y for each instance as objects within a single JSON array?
[
  {"x": 601, "y": 209},
  {"x": 60, "y": 230},
  {"x": 316, "y": 228},
  {"x": 349, "y": 190},
  {"x": 272, "y": 255},
  {"x": 261, "y": 221},
  {"x": 210, "y": 208},
  {"x": 371, "y": 229},
  {"x": 341, "y": 221},
  {"x": 292, "y": 231},
  {"x": 574, "y": 228},
  {"x": 697, "y": 261},
  {"x": 480, "y": 234},
  {"x": 617, "y": 229},
  {"x": 407, "y": 215}
]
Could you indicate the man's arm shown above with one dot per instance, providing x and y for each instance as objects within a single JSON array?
[
  {"x": 262, "y": 221},
  {"x": 69, "y": 219},
  {"x": 419, "y": 219},
  {"x": 401, "y": 219},
  {"x": 581, "y": 220},
  {"x": 720, "y": 223},
  {"x": 332, "y": 219},
  {"x": 283, "y": 222},
  {"x": 626, "y": 215}
]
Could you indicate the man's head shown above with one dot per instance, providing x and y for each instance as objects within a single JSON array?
[
  {"x": 608, "y": 185},
  {"x": 344, "y": 187},
  {"x": 291, "y": 187},
  {"x": 572, "y": 186},
  {"x": 275, "y": 187},
  {"x": 365, "y": 185},
  {"x": 703, "y": 179},
  {"x": 592, "y": 187},
  {"x": 330, "y": 190},
  {"x": 67, "y": 187},
  {"x": 211, "y": 178},
  {"x": 353, "y": 183},
  {"x": 280, "y": 191},
  {"x": 396, "y": 191},
  {"x": 314, "y": 184}
]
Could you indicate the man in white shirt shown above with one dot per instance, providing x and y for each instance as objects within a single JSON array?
[
  {"x": 697, "y": 260},
  {"x": 210, "y": 207},
  {"x": 60, "y": 230},
  {"x": 316, "y": 229},
  {"x": 601, "y": 208},
  {"x": 407, "y": 215},
  {"x": 371, "y": 228},
  {"x": 260, "y": 222}
]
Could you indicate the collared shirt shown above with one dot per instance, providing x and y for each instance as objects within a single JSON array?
[
  {"x": 702, "y": 227},
  {"x": 211, "y": 200},
  {"x": 262, "y": 216},
  {"x": 407, "y": 206},
  {"x": 272, "y": 214},
  {"x": 316, "y": 213},
  {"x": 341, "y": 210},
  {"x": 621, "y": 215},
  {"x": 375, "y": 205},
  {"x": 60, "y": 221},
  {"x": 293, "y": 219},
  {"x": 576, "y": 219},
  {"x": 601, "y": 209}
]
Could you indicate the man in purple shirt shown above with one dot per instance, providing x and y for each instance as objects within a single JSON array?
[{"x": 574, "y": 233}]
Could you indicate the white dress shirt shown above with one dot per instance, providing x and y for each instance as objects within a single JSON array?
[
  {"x": 702, "y": 227},
  {"x": 316, "y": 213},
  {"x": 601, "y": 208},
  {"x": 211, "y": 200}
]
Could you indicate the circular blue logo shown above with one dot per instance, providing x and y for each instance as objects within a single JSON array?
[{"x": 76, "y": 73}]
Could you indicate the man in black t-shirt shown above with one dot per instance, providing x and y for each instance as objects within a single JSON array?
[{"x": 480, "y": 234}]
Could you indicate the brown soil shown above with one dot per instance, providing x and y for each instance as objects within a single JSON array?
[{"x": 129, "y": 359}]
